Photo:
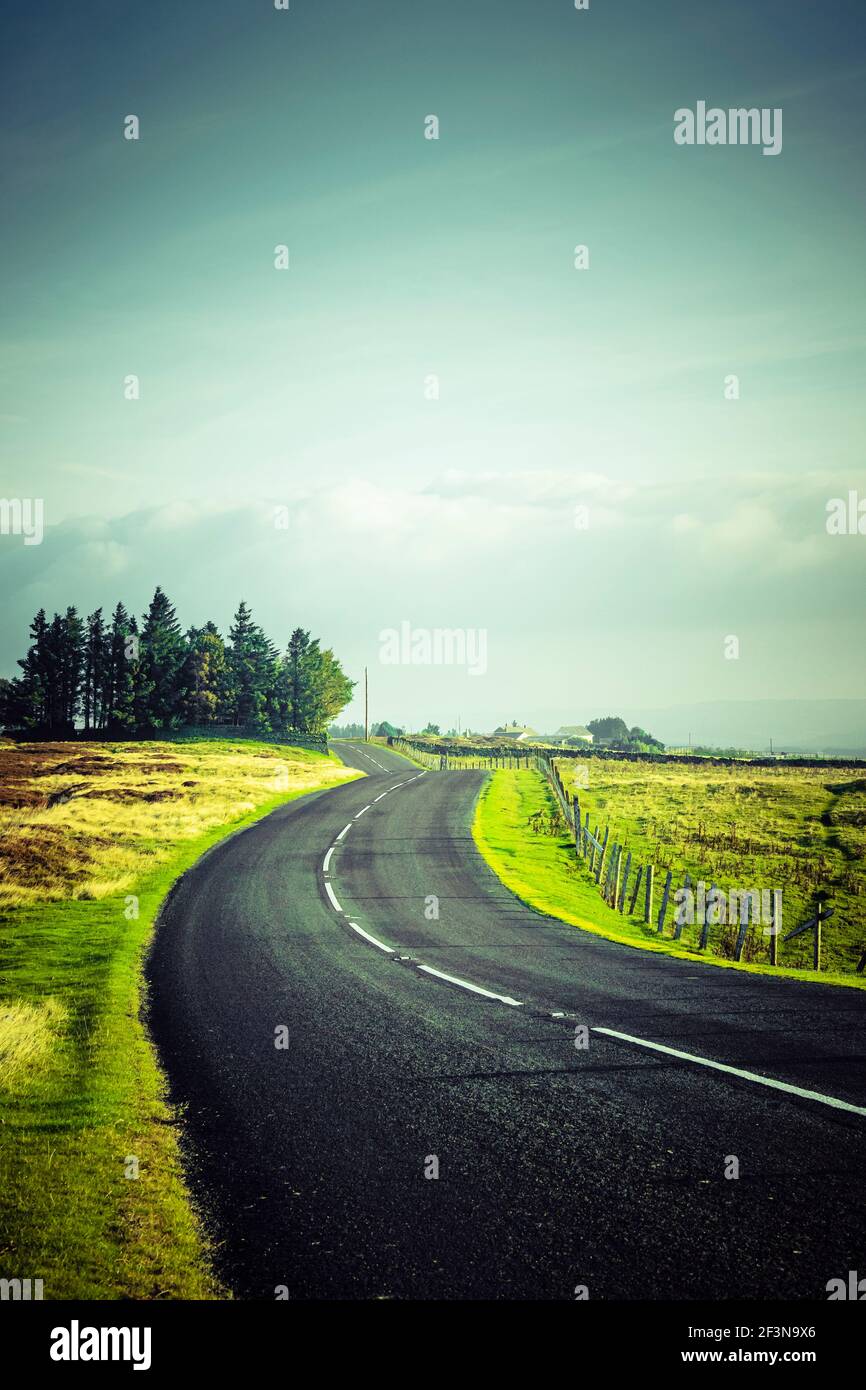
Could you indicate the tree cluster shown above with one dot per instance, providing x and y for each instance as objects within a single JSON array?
[
  {"x": 121, "y": 676},
  {"x": 614, "y": 732}
]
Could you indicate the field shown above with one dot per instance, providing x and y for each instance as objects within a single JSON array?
[
  {"x": 91, "y": 838},
  {"x": 801, "y": 830}
]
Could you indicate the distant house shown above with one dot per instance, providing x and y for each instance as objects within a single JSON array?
[
  {"x": 573, "y": 733},
  {"x": 515, "y": 731}
]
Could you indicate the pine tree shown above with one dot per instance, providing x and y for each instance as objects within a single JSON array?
[
  {"x": 95, "y": 663},
  {"x": 114, "y": 679},
  {"x": 159, "y": 697},
  {"x": 205, "y": 675},
  {"x": 251, "y": 661},
  {"x": 120, "y": 664}
]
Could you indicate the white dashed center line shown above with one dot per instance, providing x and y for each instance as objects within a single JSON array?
[
  {"x": 330, "y": 892},
  {"x": 476, "y": 989},
  {"x": 388, "y": 950},
  {"x": 372, "y": 940},
  {"x": 736, "y": 1071}
]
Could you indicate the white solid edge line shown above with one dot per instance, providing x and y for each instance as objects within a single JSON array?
[
  {"x": 737, "y": 1071},
  {"x": 330, "y": 892},
  {"x": 372, "y": 940},
  {"x": 326, "y": 861},
  {"x": 345, "y": 831},
  {"x": 476, "y": 989}
]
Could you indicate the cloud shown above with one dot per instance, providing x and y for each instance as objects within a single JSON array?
[{"x": 660, "y": 564}]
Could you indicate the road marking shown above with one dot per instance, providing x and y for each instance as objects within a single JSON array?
[
  {"x": 379, "y": 798},
  {"x": 476, "y": 989},
  {"x": 360, "y": 813},
  {"x": 327, "y": 859},
  {"x": 344, "y": 831},
  {"x": 367, "y": 937},
  {"x": 330, "y": 892},
  {"x": 366, "y": 755},
  {"x": 737, "y": 1071}
]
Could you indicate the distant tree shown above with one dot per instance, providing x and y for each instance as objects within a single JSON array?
[
  {"x": 205, "y": 676},
  {"x": 126, "y": 679},
  {"x": 159, "y": 696},
  {"x": 121, "y": 672},
  {"x": 431, "y": 729},
  {"x": 637, "y": 735},
  {"x": 251, "y": 661},
  {"x": 96, "y": 659},
  {"x": 331, "y": 690},
  {"x": 386, "y": 730},
  {"x": 610, "y": 727}
]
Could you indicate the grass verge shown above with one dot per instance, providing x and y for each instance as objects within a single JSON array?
[
  {"x": 545, "y": 873},
  {"x": 92, "y": 1196}
]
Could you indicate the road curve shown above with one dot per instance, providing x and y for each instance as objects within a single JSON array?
[{"x": 557, "y": 1166}]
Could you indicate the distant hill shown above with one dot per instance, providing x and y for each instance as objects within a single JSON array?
[{"x": 795, "y": 726}]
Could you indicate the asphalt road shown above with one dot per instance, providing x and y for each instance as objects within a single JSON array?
[{"x": 558, "y": 1167}]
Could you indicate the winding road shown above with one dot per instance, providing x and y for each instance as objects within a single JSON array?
[{"x": 428, "y": 1023}]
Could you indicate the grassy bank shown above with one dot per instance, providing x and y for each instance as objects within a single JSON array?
[
  {"x": 798, "y": 829},
  {"x": 543, "y": 870},
  {"x": 92, "y": 1199}
]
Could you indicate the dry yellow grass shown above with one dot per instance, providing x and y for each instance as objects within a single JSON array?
[
  {"x": 83, "y": 827},
  {"x": 84, "y": 821},
  {"x": 27, "y": 1033}
]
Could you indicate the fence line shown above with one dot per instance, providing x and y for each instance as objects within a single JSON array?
[{"x": 593, "y": 849}]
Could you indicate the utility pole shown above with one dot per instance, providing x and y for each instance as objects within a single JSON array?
[{"x": 366, "y": 719}]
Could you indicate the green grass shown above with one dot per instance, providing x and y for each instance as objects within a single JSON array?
[
  {"x": 81, "y": 1093},
  {"x": 798, "y": 829},
  {"x": 544, "y": 871}
]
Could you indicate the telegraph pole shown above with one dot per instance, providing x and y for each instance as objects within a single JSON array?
[{"x": 366, "y": 719}]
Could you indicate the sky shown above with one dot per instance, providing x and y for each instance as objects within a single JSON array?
[{"x": 581, "y": 492}]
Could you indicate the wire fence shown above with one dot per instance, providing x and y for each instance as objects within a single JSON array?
[{"x": 742, "y": 926}]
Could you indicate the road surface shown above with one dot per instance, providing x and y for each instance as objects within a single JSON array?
[{"x": 560, "y": 1167}]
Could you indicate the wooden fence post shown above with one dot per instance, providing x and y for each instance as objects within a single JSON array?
[
  {"x": 814, "y": 924},
  {"x": 621, "y": 903},
  {"x": 664, "y": 907},
  {"x": 775, "y": 926},
  {"x": 601, "y": 857},
  {"x": 635, "y": 890},
  {"x": 648, "y": 899},
  {"x": 745, "y": 911},
  {"x": 614, "y": 896},
  {"x": 605, "y": 888},
  {"x": 705, "y": 925},
  {"x": 678, "y": 930}
]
